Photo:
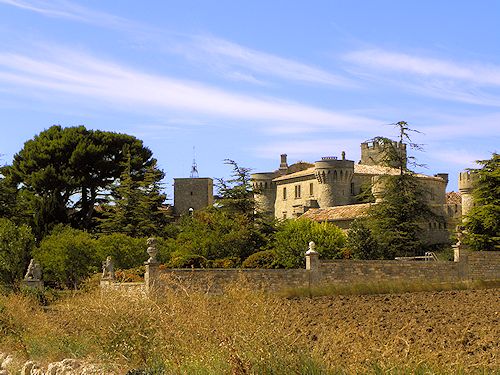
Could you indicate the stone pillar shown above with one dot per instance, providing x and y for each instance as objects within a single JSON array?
[
  {"x": 312, "y": 258},
  {"x": 152, "y": 266},
  {"x": 312, "y": 264}
]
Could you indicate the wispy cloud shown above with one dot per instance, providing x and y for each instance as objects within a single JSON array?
[
  {"x": 231, "y": 60},
  {"x": 124, "y": 87},
  {"x": 225, "y": 55},
  {"x": 481, "y": 74},
  {"x": 468, "y": 82},
  {"x": 70, "y": 11}
]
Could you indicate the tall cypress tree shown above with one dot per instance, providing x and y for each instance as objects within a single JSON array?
[
  {"x": 396, "y": 223},
  {"x": 483, "y": 221},
  {"x": 135, "y": 208}
]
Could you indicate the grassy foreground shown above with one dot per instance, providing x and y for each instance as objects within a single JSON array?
[{"x": 242, "y": 332}]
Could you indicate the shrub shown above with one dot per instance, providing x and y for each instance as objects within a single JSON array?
[
  {"x": 261, "y": 259},
  {"x": 292, "y": 238},
  {"x": 131, "y": 275},
  {"x": 16, "y": 244},
  {"x": 182, "y": 260},
  {"x": 67, "y": 256},
  {"x": 230, "y": 262},
  {"x": 127, "y": 252}
]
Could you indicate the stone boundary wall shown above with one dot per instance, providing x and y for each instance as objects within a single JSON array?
[
  {"x": 217, "y": 280},
  {"x": 483, "y": 265},
  {"x": 469, "y": 266},
  {"x": 343, "y": 271}
]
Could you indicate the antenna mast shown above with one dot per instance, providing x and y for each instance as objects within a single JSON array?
[{"x": 194, "y": 167}]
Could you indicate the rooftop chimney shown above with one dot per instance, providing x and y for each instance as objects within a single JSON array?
[{"x": 283, "y": 164}]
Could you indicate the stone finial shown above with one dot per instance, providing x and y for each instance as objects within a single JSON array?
[
  {"x": 34, "y": 271},
  {"x": 312, "y": 248},
  {"x": 312, "y": 257},
  {"x": 108, "y": 269},
  {"x": 152, "y": 250}
]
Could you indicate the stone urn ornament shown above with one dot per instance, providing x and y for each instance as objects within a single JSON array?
[{"x": 152, "y": 250}]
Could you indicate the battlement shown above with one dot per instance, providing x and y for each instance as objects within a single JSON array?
[
  {"x": 330, "y": 169},
  {"x": 466, "y": 181},
  {"x": 331, "y": 162},
  {"x": 373, "y": 145},
  {"x": 375, "y": 153}
]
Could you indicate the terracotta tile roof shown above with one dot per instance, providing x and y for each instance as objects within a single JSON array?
[
  {"x": 305, "y": 172},
  {"x": 453, "y": 197},
  {"x": 337, "y": 213}
]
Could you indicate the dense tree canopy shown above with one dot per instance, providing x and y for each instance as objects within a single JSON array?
[
  {"x": 483, "y": 221},
  {"x": 67, "y": 171}
]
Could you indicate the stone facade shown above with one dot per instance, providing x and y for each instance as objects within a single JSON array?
[{"x": 192, "y": 193}]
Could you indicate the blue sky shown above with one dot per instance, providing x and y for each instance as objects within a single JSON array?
[{"x": 248, "y": 80}]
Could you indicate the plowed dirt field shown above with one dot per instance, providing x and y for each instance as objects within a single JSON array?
[{"x": 448, "y": 331}]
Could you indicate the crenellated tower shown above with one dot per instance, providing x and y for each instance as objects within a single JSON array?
[
  {"x": 334, "y": 177},
  {"x": 264, "y": 191},
  {"x": 466, "y": 181},
  {"x": 374, "y": 153}
]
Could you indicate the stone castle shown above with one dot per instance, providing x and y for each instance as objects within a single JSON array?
[{"x": 327, "y": 190}]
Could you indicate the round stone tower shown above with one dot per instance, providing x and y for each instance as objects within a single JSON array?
[
  {"x": 466, "y": 182},
  {"x": 334, "y": 177},
  {"x": 375, "y": 153},
  {"x": 264, "y": 191}
]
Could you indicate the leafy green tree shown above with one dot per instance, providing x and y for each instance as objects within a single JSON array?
[
  {"x": 216, "y": 234},
  {"x": 16, "y": 244},
  {"x": 396, "y": 223},
  {"x": 69, "y": 171},
  {"x": 361, "y": 242},
  {"x": 235, "y": 195},
  {"x": 293, "y": 236},
  {"x": 67, "y": 257},
  {"x": 127, "y": 252},
  {"x": 483, "y": 221}
]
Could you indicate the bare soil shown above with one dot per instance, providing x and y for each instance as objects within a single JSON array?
[{"x": 449, "y": 331}]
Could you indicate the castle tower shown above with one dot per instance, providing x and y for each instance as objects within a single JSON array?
[
  {"x": 192, "y": 194},
  {"x": 264, "y": 190},
  {"x": 466, "y": 182},
  {"x": 374, "y": 153},
  {"x": 334, "y": 177}
]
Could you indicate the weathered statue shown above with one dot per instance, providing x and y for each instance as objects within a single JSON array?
[
  {"x": 34, "y": 271},
  {"x": 152, "y": 250},
  {"x": 108, "y": 269}
]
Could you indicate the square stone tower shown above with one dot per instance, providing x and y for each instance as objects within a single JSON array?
[{"x": 194, "y": 192}]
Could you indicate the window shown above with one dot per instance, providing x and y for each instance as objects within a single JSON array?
[
  {"x": 284, "y": 215},
  {"x": 311, "y": 189},
  {"x": 352, "y": 188},
  {"x": 284, "y": 193},
  {"x": 297, "y": 191}
]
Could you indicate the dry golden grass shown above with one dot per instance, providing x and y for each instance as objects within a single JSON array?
[{"x": 248, "y": 332}]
